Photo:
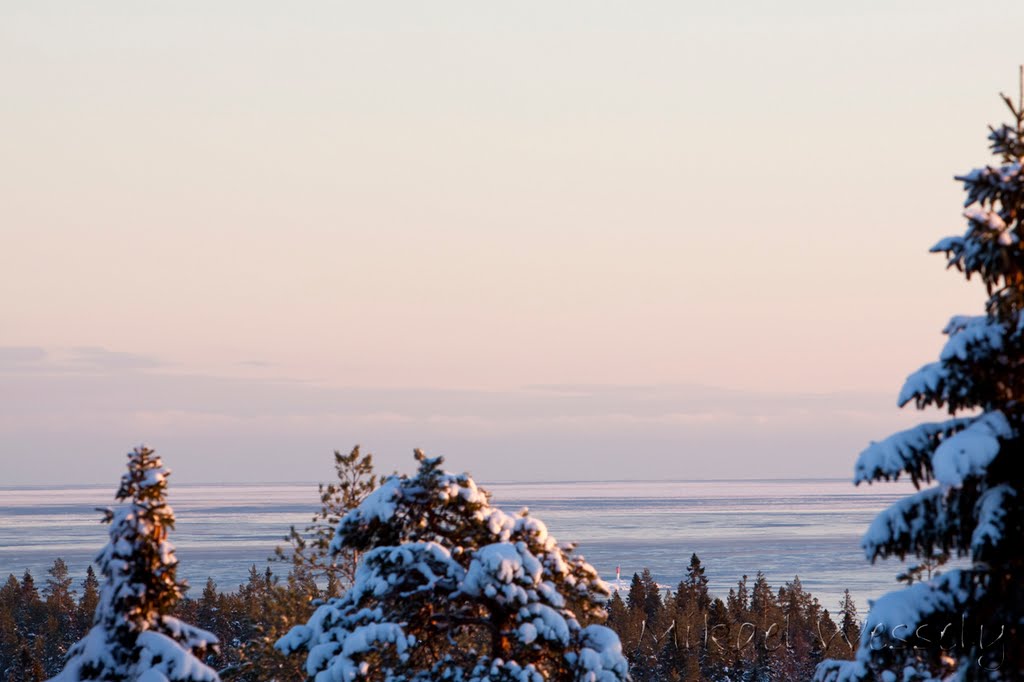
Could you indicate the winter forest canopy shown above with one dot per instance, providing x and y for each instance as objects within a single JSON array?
[{"x": 400, "y": 578}]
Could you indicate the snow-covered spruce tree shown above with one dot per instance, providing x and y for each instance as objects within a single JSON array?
[
  {"x": 451, "y": 588},
  {"x": 132, "y": 640},
  {"x": 966, "y": 623}
]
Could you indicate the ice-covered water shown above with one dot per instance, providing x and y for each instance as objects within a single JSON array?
[{"x": 809, "y": 528}]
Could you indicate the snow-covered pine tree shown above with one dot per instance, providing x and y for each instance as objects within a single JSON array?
[
  {"x": 451, "y": 588},
  {"x": 966, "y": 624},
  {"x": 132, "y": 639}
]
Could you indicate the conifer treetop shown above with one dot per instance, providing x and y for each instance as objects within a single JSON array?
[
  {"x": 451, "y": 588},
  {"x": 132, "y": 638}
]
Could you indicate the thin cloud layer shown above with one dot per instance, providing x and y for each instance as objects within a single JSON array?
[{"x": 244, "y": 429}]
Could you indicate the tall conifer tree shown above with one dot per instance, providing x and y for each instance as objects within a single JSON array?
[
  {"x": 308, "y": 550},
  {"x": 58, "y": 592},
  {"x": 967, "y": 622},
  {"x": 132, "y": 637},
  {"x": 90, "y": 599}
]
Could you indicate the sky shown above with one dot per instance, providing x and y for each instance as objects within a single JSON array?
[{"x": 572, "y": 240}]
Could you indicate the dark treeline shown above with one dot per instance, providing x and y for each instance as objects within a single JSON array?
[
  {"x": 38, "y": 624},
  {"x": 756, "y": 633}
]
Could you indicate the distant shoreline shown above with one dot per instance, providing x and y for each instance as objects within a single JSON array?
[{"x": 242, "y": 484}]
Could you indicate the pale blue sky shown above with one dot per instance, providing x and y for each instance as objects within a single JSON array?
[{"x": 251, "y": 232}]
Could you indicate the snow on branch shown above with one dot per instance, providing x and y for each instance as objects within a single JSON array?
[
  {"x": 923, "y": 609},
  {"x": 926, "y": 385},
  {"x": 970, "y": 333},
  {"x": 993, "y": 514},
  {"x": 915, "y": 524},
  {"x": 906, "y": 452},
  {"x": 988, "y": 184},
  {"x": 968, "y": 453},
  {"x": 918, "y": 604},
  {"x": 600, "y": 656},
  {"x": 973, "y": 341}
]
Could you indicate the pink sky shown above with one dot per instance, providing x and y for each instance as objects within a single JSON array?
[{"x": 626, "y": 200}]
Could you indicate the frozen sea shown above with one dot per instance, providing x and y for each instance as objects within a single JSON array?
[{"x": 810, "y": 528}]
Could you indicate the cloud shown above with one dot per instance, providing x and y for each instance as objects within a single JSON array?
[
  {"x": 91, "y": 359},
  {"x": 244, "y": 429},
  {"x": 126, "y": 391},
  {"x": 255, "y": 363},
  {"x": 20, "y": 358},
  {"x": 100, "y": 358}
]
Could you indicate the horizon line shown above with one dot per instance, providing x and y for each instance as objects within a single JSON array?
[{"x": 239, "y": 484}]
